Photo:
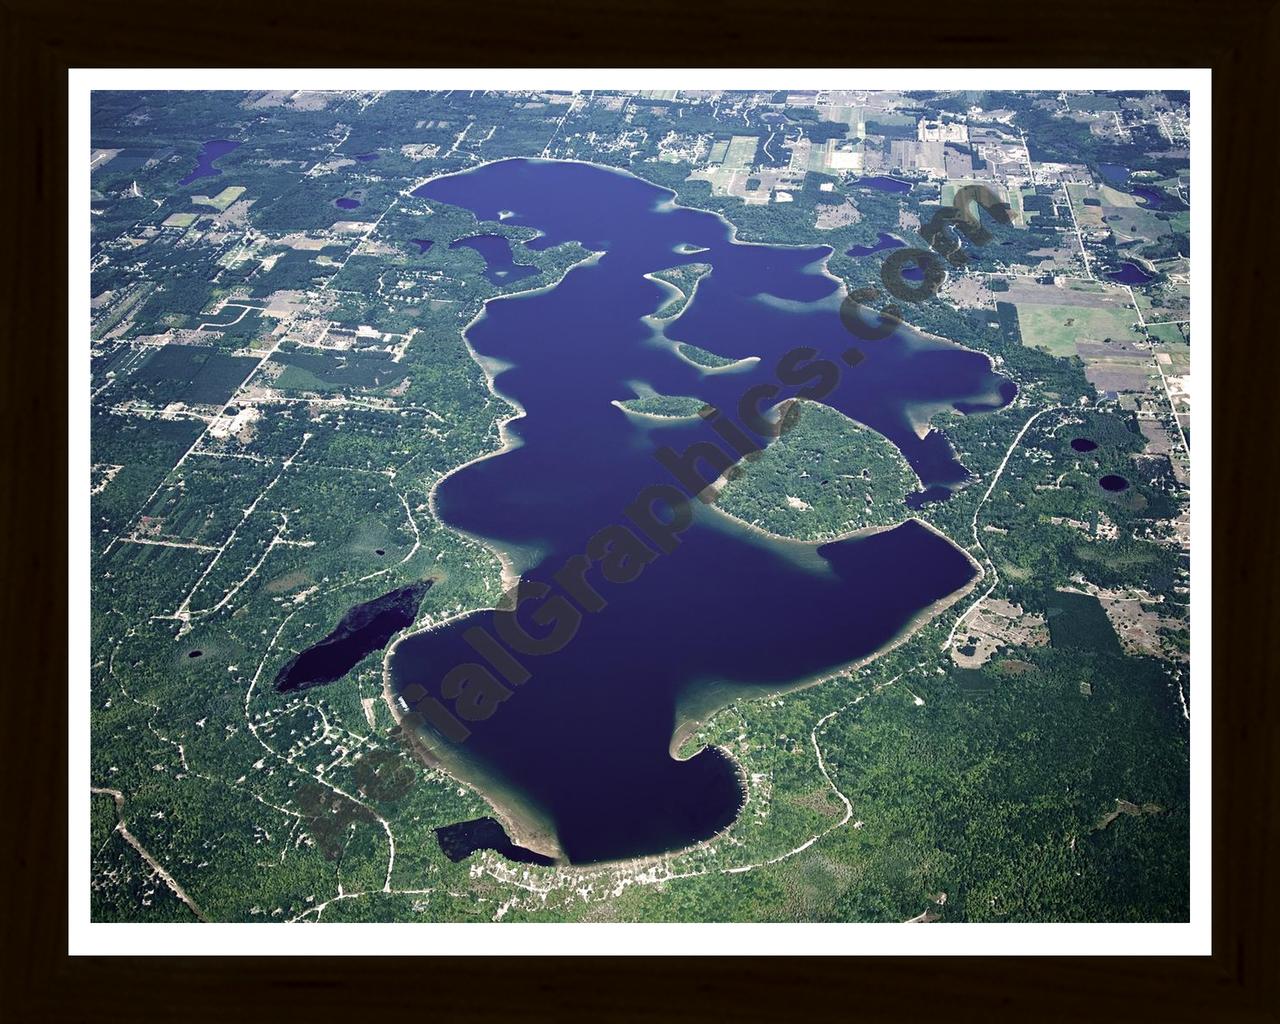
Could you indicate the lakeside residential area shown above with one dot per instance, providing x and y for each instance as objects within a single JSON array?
[{"x": 362, "y": 360}]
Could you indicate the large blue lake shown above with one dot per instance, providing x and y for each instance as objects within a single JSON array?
[{"x": 575, "y": 748}]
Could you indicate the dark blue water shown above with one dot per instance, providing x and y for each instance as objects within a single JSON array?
[
  {"x": 1130, "y": 273},
  {"x": 1156, "y": 199},
  {"x": 1152, "y": 198},
  {"x": 576, "y": 744},
  {"x": 500, "y": 265},
  {"x": 461, "y": 840},
  {"x": 884, "y": 184},
  {"x": 1114, "y": 174},
  {"x": 1114, "y": 483},
  {"x": 366, "y": 156},
  {"x": 1083, "y": 444},
  {"x": 346, "y": 203},
  {"x": 885, "y": 241},
  {"x": 919, "y": 499},
  {"x": 362, "y": 630},
  {"x": 211, "y": 151},
  {"x": 423, "y": 244}
]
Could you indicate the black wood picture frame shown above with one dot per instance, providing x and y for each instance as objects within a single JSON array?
[{"x": 1238, "y": 39}]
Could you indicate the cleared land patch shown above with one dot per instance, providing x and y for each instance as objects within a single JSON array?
[
  {"x": 222, "y": 200},
  {"x": 1057, "y": 328},
  {"x": 994, "y": 625}
]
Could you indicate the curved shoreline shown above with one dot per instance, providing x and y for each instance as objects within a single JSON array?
[
  {"x": 520, "y": 832},
  {"x": 685, "y": 727},
  {"x": 682, "y": 299},
  {"x": 508, "y": 576},
  {"x": 491, "y": 367},
  {"x": 523, "y": 833}
]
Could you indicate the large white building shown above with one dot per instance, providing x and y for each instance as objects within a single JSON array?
[{"x": 941, "y": 131}]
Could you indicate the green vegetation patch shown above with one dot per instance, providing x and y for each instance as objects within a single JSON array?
[
  {"x": 1011, "y": 196},
  {"x": 293, "y": 270},
  {"x": 1169, "y": 333},
  {"x": 190, "y": 373},
  {"x": 337, "y": 371},
  {"x": 1057, "y": 328},
  {"x": 825, "y": 475},
  {"x": 674, "y": 406},
  {"x": 1078, "y": 623},
  {"x": 703, "y": 358},
  {"x": 685, "y": 279},
  {"x": 222, "y": 200},
  {"x": 991, "y": 794}
]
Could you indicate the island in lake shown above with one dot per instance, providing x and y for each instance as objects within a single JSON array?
[{"x": 577, "y": 747}]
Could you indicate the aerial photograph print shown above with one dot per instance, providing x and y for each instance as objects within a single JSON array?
[{"x": 611, "y": 505}]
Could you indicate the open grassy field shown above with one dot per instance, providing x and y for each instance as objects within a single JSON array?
[
  {"x": 222, "y": 200},
  {"x": 1131, "y": 223},
  {"x": 1179, "y": 363},
  {"x": 1056, "y": 328},
  {"x": 1168, "y": 333},
  {"x": 1011, "y": 196}
]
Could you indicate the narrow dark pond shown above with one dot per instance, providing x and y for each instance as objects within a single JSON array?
[
  {"x": 642, "y": 611},
  {"x": 460, "y": 841},
  {"x": 1156, "y": 199},
  {"x": 885, "y": 241},
  {"x": 1130, "y": 273},
  {"x": 1083, "y": 444},
  {"x": 884, "y": 184},
  {"x": 1112, "y": 482},
  {"x": 363, "y": 629},
  {"x": 212, "y": 150}
]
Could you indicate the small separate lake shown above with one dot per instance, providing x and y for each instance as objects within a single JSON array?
[
  {"x": 884, "y": 184},
  {"x": 346, "y": 203},
  {"x": 1083, "y": 444},
  {"x": 1114, "y": 174},
  {"x": 1119, "y": 176},
  {"x": 212, "y": 151},
  {"x": 1156, "y": 199},
  {"x": 1130, "y": 273},
  {"x": 363, "y": 629},
  {"x": 885, "y": 241},
  {"x": 366, "y": 156},
  {"x": 1111, "y": 482},
  {"x": 500, "y": 265},
  {"x": 423, "y": 244}
]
